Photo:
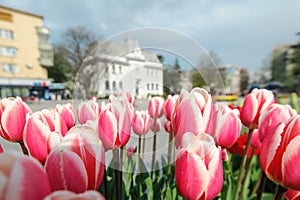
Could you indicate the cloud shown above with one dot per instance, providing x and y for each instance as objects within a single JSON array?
[{"x": 241, "y": 32}]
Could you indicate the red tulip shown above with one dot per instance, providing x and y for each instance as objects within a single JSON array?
[
  {"x": 67, "y": 113},
  {"x": 38, "y": 138},
  {"x": 66, "y": 171},
  {"x": 169, "y": 104},
  {"x": 198, "y": 167},
  {"x": 87, "y": 111},
  {"x": 13, "y": 118},
  {"x": 292, "y": 195},
  {"x": 191, "y": 113},
  {"x": 141, "y": 122},
  {"x": 157, "y": 126},
  {"x": 167, "y": 126},
  {"x": 130, "y": 152},
  {"x": 155, "y": 107},
  {"x": 280, "y": 154},
  {"x": 240, "y": 145},
  {"x": 273, "y": 116},
  {"x": 67, "y": 195},
  {"x": 255, "y": 103},
  {"x": 84, "y": 142},
  {"x": 114, "y": 123},
  {"x": 225, "y": 125},
  {"x": 22, "y": 177}
]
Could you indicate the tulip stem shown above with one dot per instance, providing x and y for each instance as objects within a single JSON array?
[
  {"x": 139, "y": 163},
  {"x": 246, "y": 173},
  {"x": 105, "y": 184},
  {"x": 170, "y": 150},
  {"x": 242, "y": 166},
  {"x": 261, "y": 187},
  {"x": 24, "y": 149},
  {"x": 117, "y": 174},
  {"x": 280, "y": 193},
  {"x": 144, "y": 142},
  {"x": 153, "y": 151}
]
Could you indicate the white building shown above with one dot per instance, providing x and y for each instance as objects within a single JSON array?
[
  {"x": 232, "y": 79},
  {"x": 125, "y": 67}
]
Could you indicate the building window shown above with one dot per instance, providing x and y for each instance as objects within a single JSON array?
[
  {"x": 120, "y": 69},
  {"x": 5, "y": 16},
  {"x": 121, "y": 85},
  {"x": 113, "y": 69},
  {"x": 152, "y": 86},
  {"x": 106, "y": 85},
  {"x": 6, "y": 34},
  {"x": 156, "y": 86},
  {"x": 106, "y": 69},
  {"x": 148, "y": 86},
  {"x": 114, "y": 85},
  {"x": 12, "y": 68},
  {"x": 8, "y": 51}
]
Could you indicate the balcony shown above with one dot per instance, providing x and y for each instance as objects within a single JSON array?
[{"x": 45, "y": 48}]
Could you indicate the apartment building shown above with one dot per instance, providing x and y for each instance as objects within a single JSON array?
[{"x": 25, "y": 53}]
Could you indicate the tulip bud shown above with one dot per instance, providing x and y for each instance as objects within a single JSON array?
[
  {"x": 280, "y": 155},
  {"x": 130, "y": 152},
  {"x": 38, "y": 138},
  {"x": 272, "y": 117},
  {"x": 114, "y": 124},
  {"x": 87, "y": 111},
  {"x": 66, "y": 171},
  {"x": 84, "y": 142},
  {"x": 169, "y": 104},
  {"x": 22, "y": 177},
  {"x": 141, "y": 122},
  {"x": 67, "y": 113},
  {"x": 225, "y": 125},
  {"x": 155, "y": 107},
  {"x": 13, "y": 118},
  {"x": 167, "y": 126},
  {"x": 157, "y": 126},
  {"x": 198, "y": 167},
  {"x": 191, "y": 113},
  {"x": 254, "y": 105}
]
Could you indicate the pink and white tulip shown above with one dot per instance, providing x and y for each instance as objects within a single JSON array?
[
  {"x": 13, "y": 118},
  {"x": 198, "y": 167},
  {"x": 88, "y": 111},
  {"x": 169, "y": 105},
  {"x": 38, "y": 137},
  {"x": 114, "y": 124},
  {"x": 155, "y": 107},
  {"x": 167, "y": 126},
  {"x": 68, "y": 195},
  {"x": 155, "y": 125},
  {"x": 22, "y": 177},
  {"x": 280, "y": 155},
  {"x": 67, "y": 113},
  {"x": 255, "y": 103},
  {"x": 274, "y": 115},
  {"x": 141, "y": 122},
  {"x": 84, "y": 142},
  {"x": 66, "y": 171},
  {"x": 191, "y": 113},
  {"x": 224, "y": 125}
]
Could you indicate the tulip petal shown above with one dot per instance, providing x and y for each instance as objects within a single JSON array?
[
  {"x": 12, "y": 123},
  {"x": 107, "y": 127},
  {"x": 291, "y": 163},
  {"x": 67, "y": 195},
  {"x": 26, "y": 176},
  {"x": 36, "y": 135},
  {"x": 66, "y": 171},
  {"x": 249, "y": 109}
]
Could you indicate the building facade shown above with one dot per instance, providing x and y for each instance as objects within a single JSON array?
[
  {"x": 125, "y": 67},
  {"x": 25, "y": 52}
]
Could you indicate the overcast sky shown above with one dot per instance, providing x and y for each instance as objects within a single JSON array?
[{"x": 242, "y": 32}]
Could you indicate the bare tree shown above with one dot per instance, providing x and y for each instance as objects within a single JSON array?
[
  {"x": 76, "y": 44},
  {"x": 207, "y": 73}
]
